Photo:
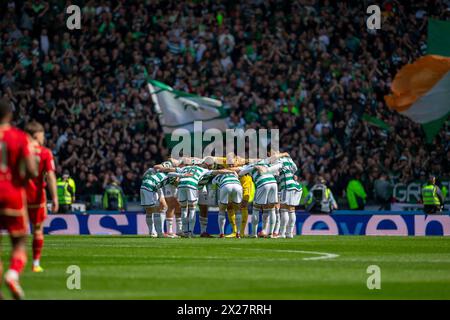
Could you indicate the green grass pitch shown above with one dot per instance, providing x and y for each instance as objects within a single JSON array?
[{"x": 137, "y": 267}]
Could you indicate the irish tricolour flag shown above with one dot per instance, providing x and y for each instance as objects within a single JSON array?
[
  {"x": 421, "y": 91},
  {"x": 178, "y": 109}
]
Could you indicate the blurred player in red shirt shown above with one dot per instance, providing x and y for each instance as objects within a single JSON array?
[
  {"x": 36, "y": 197},
  {"x": 17, "y": 164}
]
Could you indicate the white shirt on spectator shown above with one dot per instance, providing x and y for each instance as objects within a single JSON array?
[
  {"x": 321, "y": 125},
  {"x": 226, "y": 63},
  {"x": 324, "y": 39},
  {"x": 45, "y": 44},
  {"x": 230, "y": 38},
  {"x": 200, "y": 51}
]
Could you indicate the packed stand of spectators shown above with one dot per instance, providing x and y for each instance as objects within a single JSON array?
[{"x": 308, "y": 67}]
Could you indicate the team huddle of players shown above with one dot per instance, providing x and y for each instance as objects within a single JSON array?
[
  {"x": 177, "y": 186},
  {"x": 26, "y": 166},
  {"x": 173, "y": 188}
]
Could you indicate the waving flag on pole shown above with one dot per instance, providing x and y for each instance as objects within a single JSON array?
[
  {"x": 179, "y": 109},
  {"x": 421, "y": 91}
]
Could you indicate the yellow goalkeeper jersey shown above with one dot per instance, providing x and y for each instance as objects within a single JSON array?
[{"x": 248, "y": 188}]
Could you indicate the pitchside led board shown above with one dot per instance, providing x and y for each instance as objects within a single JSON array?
[{"x": 339, "y": 223}]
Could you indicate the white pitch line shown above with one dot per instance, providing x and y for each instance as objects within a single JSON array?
[{"x": 323, "y": 255}]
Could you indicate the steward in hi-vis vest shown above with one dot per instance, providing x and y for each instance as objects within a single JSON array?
[
  {"x": 66, "y": 192},
  {"x": 432, "y": 197}
]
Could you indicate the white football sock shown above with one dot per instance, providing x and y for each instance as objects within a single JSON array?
[
  {"x": 179, "y": 224},
  {"x": 191, "y": 219},
  {"x": 277, "y": 223},
  {"x": 149, "y": 220},
  {"x": 291, "y": 223},
  {"x": 169, "y": 225},
  {"x": 272, "y": 219},
  {"x": 265, "y": 221},
  {"x": 162, "y": 216},
  {"x": 157, "y": 222},
  {"x": 284, "y": 218},
  {"x": 255, "y": 221},
  {"x": 222, "y": 219},
  {"x": 203, "y": 224},
  {"x": 238, "y": 221},
  {"x": 12, "y": 275},
  {"x": 184, "y": 218}
]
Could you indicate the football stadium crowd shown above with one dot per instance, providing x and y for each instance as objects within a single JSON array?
[{"x": 308, "y": 67}]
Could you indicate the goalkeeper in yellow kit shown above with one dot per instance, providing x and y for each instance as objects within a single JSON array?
[{"x": 248, "y": 194}]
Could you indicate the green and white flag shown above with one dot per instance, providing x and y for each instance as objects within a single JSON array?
[{"x": 178, "y": 109}]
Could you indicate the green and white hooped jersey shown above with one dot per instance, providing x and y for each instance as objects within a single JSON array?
[
  {"x": 286, "y": 179},
  {"x": 224, "y": 179},
  {"x": 204, "y": 181},
  {"x": 154, "y": 181},
  {"x": 288, "y": 163},
  {"x": 197, "y": 174},
  {"x": 262, "y": 179}
]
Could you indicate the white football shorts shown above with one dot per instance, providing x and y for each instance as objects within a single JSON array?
[
  {"x": 291, "y": 197},
  {"x": 230, "y": 192},
  {"x": 187, "y": 195},
  {"x": 208, "y": 196},
  {"x": 149, "y": 198},
  {"x": 266, "y": 194},
  {"x": 170, "y": 191}
]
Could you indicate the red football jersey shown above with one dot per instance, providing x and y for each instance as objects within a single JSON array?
[
  {"x": 14, "y": 148},
  {"x": 36, "y": 186}
]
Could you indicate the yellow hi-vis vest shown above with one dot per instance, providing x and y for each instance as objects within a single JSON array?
[
  {"x": 429, "y": 195},
  {"x": 64, "y": 196}
]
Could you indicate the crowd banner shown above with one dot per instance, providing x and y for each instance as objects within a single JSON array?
[{"x": 382, "y": 223}]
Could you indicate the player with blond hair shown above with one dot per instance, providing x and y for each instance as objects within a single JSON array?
[{"x": 36, "y": 197}]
